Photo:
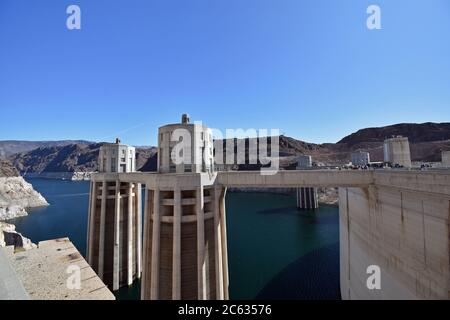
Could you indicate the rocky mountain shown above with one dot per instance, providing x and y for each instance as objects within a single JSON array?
[
  {"x": 416, "y": 133},
  {"x": 427, "y": 140},
  {"x": 10, "y": 147},
  {"x": 69, "y": 158}
]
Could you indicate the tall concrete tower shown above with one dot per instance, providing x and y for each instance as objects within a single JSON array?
[
  {"x": 306, "y": 197},
  {"x": 114, "y": 225},
  {"x": 445, "y": 159},
  {"x": 185, "y": 148},
  {"x": 185, "y": 247},
  {"x": 360, "y": 158},
  {"x": 397, "y": 152}
]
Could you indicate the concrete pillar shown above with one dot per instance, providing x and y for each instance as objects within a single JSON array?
[
  {"x": 130, "y": 235},
  {"x": 145, "y": 267},
  {"x": 101, "y": 242},
  {"x": 138, "y": 197},
  {"x": 201, "y": 265},
  {"x": 154, "y": 290},
  {"x": 218, "y": 244},
  {"x": 89, "y": 224},
  {"x": 115, "y": 237},
  {"x": 307, "y": 198},
  {"x": 91, "y": 228},
  {"x": 176, "y": 251},
  {"x": 116, "y": 261},
  {"x": 196, "y": 227},
  {"x": 223, "y": 225}
]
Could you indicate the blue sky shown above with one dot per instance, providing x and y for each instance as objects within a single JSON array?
[{"x": 310, "y": 68}]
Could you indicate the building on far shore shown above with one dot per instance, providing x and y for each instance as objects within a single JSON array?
[
  {"x": 446, "y": 159},
  {"x": 304, "y": 161},
  {"x": 360, "y": 158},
  {"x": 397, "y": 152}
]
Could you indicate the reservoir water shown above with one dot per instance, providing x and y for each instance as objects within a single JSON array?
[{"x": 275, "y": 251}]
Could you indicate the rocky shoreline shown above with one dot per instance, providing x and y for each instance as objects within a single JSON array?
[
  {"x": 10, "y": 237},
  {"x": 16, "y": 195},
  {"x": 72, "y": 176}
]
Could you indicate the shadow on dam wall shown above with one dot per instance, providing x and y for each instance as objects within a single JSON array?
[{"x": 314, "y": 276}]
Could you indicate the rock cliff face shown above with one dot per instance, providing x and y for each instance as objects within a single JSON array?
[
  {"x": 423, "y": 132},
  {"x": 7, "y": 169},
  {"x": 10, "y": 147},
  {"x": 72, "y": 162},
  {"x": 9, "y": 237},
  {"x": 16, "y": 195}
]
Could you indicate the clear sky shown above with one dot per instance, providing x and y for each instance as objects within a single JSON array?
[{"x": 308, "y": 67}]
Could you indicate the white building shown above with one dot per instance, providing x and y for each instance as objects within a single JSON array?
[
  {"x": 360, "y": 158},
  {"x": 185, "y": 147},
  {"x": 117, "y": 157},
  {"x": 304, "y": 161},
  {"x": 397, "y": 152},
  {"x": 446, "y": 159}
]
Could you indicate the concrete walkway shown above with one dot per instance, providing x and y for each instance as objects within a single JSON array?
[{"x": 10, "y": 286}]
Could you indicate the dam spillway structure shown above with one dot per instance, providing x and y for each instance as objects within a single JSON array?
[
  {"x": 114, "y": 238},
  {"x": 307, "y": 198},
  {"x": 184, "y": 250}
]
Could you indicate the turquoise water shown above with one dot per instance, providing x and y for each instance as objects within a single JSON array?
[{"x": 275, "y": 251}]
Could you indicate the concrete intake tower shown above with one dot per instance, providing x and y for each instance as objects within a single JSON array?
[
  {"x": 185, "y": 252},
  {"x": 183, "y": 247}
]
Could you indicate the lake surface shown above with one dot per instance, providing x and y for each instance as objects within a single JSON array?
[{"x": 274, "y": 250}]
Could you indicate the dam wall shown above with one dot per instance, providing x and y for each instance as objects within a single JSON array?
[
  {"x": 402, "y": 231},
  {"x": 396, "y": 221}
]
